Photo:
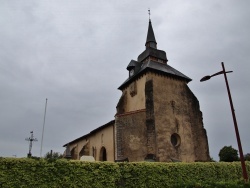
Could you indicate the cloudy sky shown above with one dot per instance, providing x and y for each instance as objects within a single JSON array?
[{"x": 75, "y": 54}]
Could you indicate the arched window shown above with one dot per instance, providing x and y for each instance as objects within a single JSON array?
[
  {"x": 82, "y": 152},
  {"x": 73, "y": 153},
  {"x": 85, "y": 149},
  {"x": 103, "y": 154}
]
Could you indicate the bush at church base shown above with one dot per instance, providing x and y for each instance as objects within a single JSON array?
[
  {"x": 198, "y": 174},
  {"x": 62, "y": 173},
  {"x": 57, "y": 173}
]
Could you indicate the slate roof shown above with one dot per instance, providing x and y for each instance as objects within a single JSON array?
[
  {"x": 155, "y": 67},
  {"x": 132, "y": 64},
  {"x": 150, "y": 35},
  {"x": 160, "y": 54},
  {"x": 142, "y": 65}
]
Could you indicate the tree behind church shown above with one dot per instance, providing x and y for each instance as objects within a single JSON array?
[
  {"x": 228, "y": 154},
  {"x": 247, "y": 157},
  {"x": 53, "y": 155}
]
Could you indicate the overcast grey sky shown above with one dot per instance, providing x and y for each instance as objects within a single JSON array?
[{"x": 75, "y": 54}]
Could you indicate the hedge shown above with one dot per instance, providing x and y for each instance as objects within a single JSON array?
[
  {"x": 62, "y": 173},
  {"x": 182, "y": 174}
]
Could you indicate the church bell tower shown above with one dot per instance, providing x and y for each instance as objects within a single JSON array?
[{"x": 158, "y": 117}]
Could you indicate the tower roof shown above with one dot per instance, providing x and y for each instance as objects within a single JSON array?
[
  {"x": 156, "y": 67},
  {"x": 152, "y": 60},
  {"x": 150, "y": 42},
  {"x": 151, "y": 47}
]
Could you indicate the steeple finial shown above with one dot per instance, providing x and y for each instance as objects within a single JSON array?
[{"x": 150, "y": 42}]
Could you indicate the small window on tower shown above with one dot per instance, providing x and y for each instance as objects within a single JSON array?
[
  {"x": 175, "y": 140},
  {"x": 131, "y": 72}
]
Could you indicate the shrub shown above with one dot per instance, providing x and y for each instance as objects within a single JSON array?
[{"x": 62, "y": 173}]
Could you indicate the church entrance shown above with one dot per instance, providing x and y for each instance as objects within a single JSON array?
[{"x": 103, "y": 154}]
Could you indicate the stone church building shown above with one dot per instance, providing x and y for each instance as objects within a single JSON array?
[{"x": 158, "y": 117}]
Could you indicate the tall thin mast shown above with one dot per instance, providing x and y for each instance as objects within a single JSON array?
[{"x": 43, "y": 128}]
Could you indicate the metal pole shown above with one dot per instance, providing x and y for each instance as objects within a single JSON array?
[
  {"x": 43, "y": 128},
  {"x": 244, "y": 171}
]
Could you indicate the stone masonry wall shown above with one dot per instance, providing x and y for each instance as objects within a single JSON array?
[
  {"x": 178, "y": 122},
  {"x": 169, "y": 128},
  {"x": 131, "y": 136},
  {"x": 199, "y": 132},
  {"x": 150, "y": 118}
]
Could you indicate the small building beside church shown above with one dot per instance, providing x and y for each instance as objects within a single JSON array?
[{"x": 158, "y": 117}]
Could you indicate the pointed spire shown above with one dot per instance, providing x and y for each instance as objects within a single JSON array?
[{"x": 150, "y": 42}]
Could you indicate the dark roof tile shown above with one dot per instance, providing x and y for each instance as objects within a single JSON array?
[{"x": 156, "y": 66}]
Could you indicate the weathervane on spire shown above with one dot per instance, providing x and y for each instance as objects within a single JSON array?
[{"x": 149, "y": 13}]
